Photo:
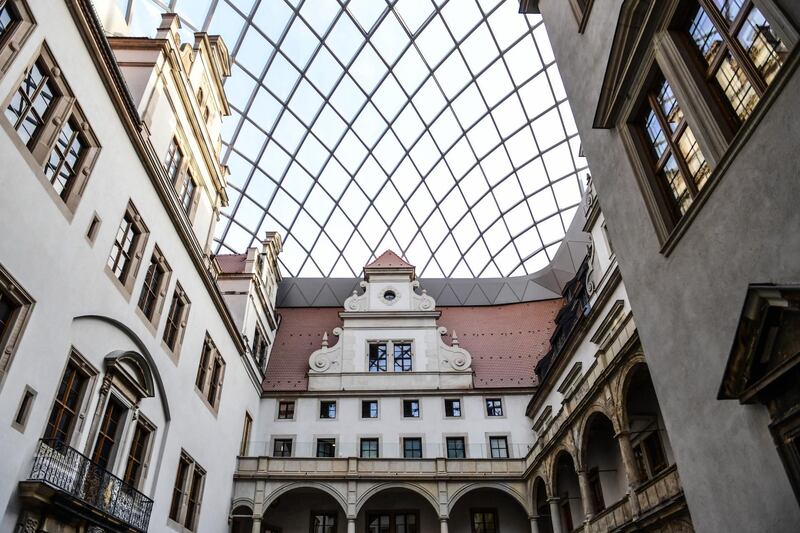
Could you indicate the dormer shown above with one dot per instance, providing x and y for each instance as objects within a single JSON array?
[{"x": 389, "y": 338}]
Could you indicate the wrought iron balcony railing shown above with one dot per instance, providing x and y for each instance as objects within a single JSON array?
[{"x": 69, "y": 471}]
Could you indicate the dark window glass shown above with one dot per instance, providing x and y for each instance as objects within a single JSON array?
[
  {"x": 282, "y": 448},
  {"x": 323, "y": 523},
  {"x": 455, "y": 448},
  {"x": 186, "y": 191},
  {"x": 498, "y": 447},
  {"x": 122, "y": 250},
  {"x": 655, "y": 453},
  {"x": 411, "y": 408},
  {"x": 148, "y": 300},
  {"x": 136, "y": 456},
  {"x": 193, "y": 503},
  {"x": 108, "y": 433},
  {"x": 402, "y": 357},
  {"x": 405, "y": 523},
  {"x": 412, "y": 448},
  {"x": 494, "y": 407},
  {"x": 184, "y": 466},
  {"x": 379, "y": 523},
  {"x": 31, "y": 102},
  {"x": 173, "y": 326},
  {"x": 205, "y": 364},
  {"x": 216, "y": 380},
  {"x": 369, "y": 409},
  {"x": 7, "y": 18},
  {"x": 286, "y": 410},
  {"x": 377, "y": 358},
  {"x": 452, "y": 407},
  {"x": 67, "y": 402},
  {"x": 369, "y": 448},
  {"x": 596, "y": 490},
  {"x": 62, "y": 165},
  {"x": 326, "y": 448},
  {"x": 173, "y": 160},
  {"x": 260, "y": 348},
  {"x": 327, "y": 409},
  {"x": 7, "y": 309},
  {"x": 484, "y": 521}
]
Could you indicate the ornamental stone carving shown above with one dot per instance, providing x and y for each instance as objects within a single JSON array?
[
  {"x": 422, "y": 302},
  {"x": 328, "y": 357},
  {"x": 453, "y": 357},
  {"x": 357, "y": 302}
]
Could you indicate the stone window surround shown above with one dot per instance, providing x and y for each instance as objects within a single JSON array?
[
  {"x": 403, "y": 409},
  {"x": 91, "y": 373},
  {"x": 139, "y": 418},
  {"x": 390, "y": 354},
  {"x": 10, "y": 288},
  {"x": 378, "y": 404},
  {"x": 161, "y": 293},
  {"x": 174, "y": 353},
  {"x": 203, "y": 389},
  {"x": 278, "y": 403},
  {"x": 486, "y": 407},
  {"x": 460, "y": 401},
  {"x": 462, "y": 436},
  {"x": 273, "y": 438},
  {"x": 370, "y": 436},
  {"x": 17, "y": 35},
  {"x": 187, "y": 166},
  {"x": 316, "y": 438},
  {"x": 187, "y": 487},
  {"x": 64, "y": 108},
  {"x": 24, "y": 408},
  {"x": 247, "y": 429},
  {"x": 319, "y": 410},
  {"x": 670, "y": 53},
  {"x": 402, "y": 440},
  {"x": 495, "y": 435},
  {"x": 125, "y": 285}
]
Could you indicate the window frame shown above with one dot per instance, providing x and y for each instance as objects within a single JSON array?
[
  {"x": 406, "y": 439},
  {"x": 326, "y": 514},
  {"x": 178, "y": 296},
  {"x": 489, "y": 409},
  {"x": 125, "y": 281},
  {"x": 377, "y": 409},
  {"x": 283, "y": 440},
  {"x": 280, "y": 403},
  {"x": 63, "y": 109},
  {"x": 454, "y": 438},
  {"x": 484, "y": 510},
  {"x": 581, "y": 13},
  {"x": 246, "y": 430},
  {"x": 460, "y": 408},
  {"x": 329, "y": 403},
  {"x": 141, "y": 474},
  {"x": 332, "y": 441},
  {"x": 505, "y": 439},
  {"x": 11, "y": 334},
  {"x": 210, "y": 375},
  {"x": 17, "y": 34},
  {"x": 158, "y": 293},
  {"x": 89, "y": 374},
  {"x": 370, "y": 440},
  {"x": 186, "y": 488},
  {"x": 24, "y": 408},
  {"x": 403, "y": 408}
]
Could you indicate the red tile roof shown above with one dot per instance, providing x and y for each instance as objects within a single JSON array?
[
  {"x": 505, "y": 341},
  {"x": 231, "y": 263},
  {"x": 389, "y": 259}
]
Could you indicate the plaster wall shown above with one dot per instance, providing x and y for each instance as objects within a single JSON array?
[
  {"x": 46, "y": 250},
  {"x": 687, "y": 304}
]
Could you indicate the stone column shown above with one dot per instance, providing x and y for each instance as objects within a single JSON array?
[
  {"x": 443, "y": 527},
  {"x": 586, "y": 495},
  {"x": 534, "y": 524},
  {"x": 256, "y": 524},
  {"x": 351, "y": 525},
  {"x": 632, "y": 473},
  {"x": 555, "y": 515}
]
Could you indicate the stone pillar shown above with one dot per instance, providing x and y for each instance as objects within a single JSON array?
[
  {"x": 534, "y": 524},
  {"x": 256, "y": 524},
  {"x": 586, "y": 495},
  {"x": 632, "y": 473},
  {"x": 351, "y": 525},
  {"x": 555, "y": 515},
  {"x": 443, "y": 527}
]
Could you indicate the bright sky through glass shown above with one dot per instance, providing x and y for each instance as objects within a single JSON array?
[{"x": 439, "y": 129}]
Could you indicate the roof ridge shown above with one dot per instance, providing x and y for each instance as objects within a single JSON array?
[{"x": 389, "y": 259}]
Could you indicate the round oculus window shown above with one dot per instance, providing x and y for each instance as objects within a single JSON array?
[{"x": 389, "y": 296}]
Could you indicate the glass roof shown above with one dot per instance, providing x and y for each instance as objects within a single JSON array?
[{"x": 439, "y": 129}]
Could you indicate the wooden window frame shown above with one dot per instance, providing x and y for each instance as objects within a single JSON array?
[
  {"x": 178, "y": 297},
  {"x": 378, "y": 360},
  {"x": 260, "y": 347},
  {"x": 137, "y": 479},
  {"x": 11, "y": 334},
  {"x": 115, "y": 437},
  {"x": 17, "y": 34},
  {"x": 326, "y": 440},
  {"x": 370, "y": 440},
  {"x": 403, "y": 358},
  {"x": 293, "y": 403},
  {"x": 88, "y": 373},
  {"x": 63, "y": 109},
  {"x": 282, "y": 440},
  {"x": 191, "y": 482},
  {"x": 159, "y": 292},
  {"x": 327, "y": 514},
  {"x": 484, "y": 510},
  {"x": 210, "y": 375},
  {"x": 246, "y": 430},
  {"x": 127, "y": 278}
]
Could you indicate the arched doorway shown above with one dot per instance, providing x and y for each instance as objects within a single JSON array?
[
  {"x": 604, "y": 467},
  {"x": 488, "y": 510},
  {"x": 642, "y": 416},
  {"x": 397, "y": 509},
  {"x": 541, "y": 506},
  {"x": 304, "y": 509},
  {"x": 568, "y": 492}
]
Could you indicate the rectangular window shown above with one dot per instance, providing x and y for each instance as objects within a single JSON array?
[
  {"x": 248, "y": 426},
  {"x": 210, "y": 373},
  {"x": 186, "y": 192},
  {"x": 282, "y": 448},
  {"x": 260, "y": 347},
  {"x": 411, "y": 408},
  {"x": 498, "y": 447},
  {"x": 452, "y": 408},
  {"x": 67, "y": 403},
  {"x": 369, "y": 448},
  {"x": 286, "y": 410},
  {"x": 326, "y": 447},
  {"x": 184, "y": 469},
  {"x": 195, "y": 494},
  {"x": 456, "y": 448},
  {"x": 108, "y": 434},
  {"x": 393, "y": 522},
  {"x": 740, "y": 50},
  {"x": 187, "y": 492},
  {"x": 654, "y": 450},
  {"x": 412, "y": 448},
  {"x": 134, "y": 468},
  {"x": 494, "y": 407},
  {"x": 484, "y": 521},
  {"x": 369, "y": 409},
  {"x": 377, "y": 357},
  {"x": 173, "y": 162},
  {"x": 176, "y": 318},
  {"x": 24, "y": 409},
  {"x": 327, "y": 409},
  {"x": 15, "y": 308},
  {"x": 31, "y": 103},
  {"x": 61, "y": 167},
  {"x": 402, "y": 357},
  {"x": 679, "y": 165},
  {"x": 323, "y": 522},
  {"x": 154, "y": 287},
  {"x": 596, "y": 490},
  {"x": 8, "y": 18},
  {"x": 127, "y": 247}
]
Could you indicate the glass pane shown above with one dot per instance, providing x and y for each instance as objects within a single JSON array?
[
  {"x": 765, "y": 49},
  {"x": 736, "y": 87},
  {"x": 705, "y": 35},
  {"x": 677, "y": 185},
  {"x": 656, "y": 134},
  {"x": 669, "y": 106},
  {"x": 729, "y": 8},
  {"x": 690, "y": 150}
]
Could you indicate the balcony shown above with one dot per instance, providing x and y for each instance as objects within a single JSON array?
[{"x": 66, "y": 478}]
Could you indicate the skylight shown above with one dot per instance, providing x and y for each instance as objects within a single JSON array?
[{"x": 438, "y": 129}]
